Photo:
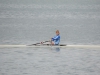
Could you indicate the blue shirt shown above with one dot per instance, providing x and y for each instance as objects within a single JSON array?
[{"x": 56, "y": 39}]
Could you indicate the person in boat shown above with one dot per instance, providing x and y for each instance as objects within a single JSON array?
[{"x": 56, "y": 39}]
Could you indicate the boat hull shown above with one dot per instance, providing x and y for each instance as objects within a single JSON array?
[{"x": 61, "y": 46}]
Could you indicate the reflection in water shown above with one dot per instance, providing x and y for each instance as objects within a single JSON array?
[{"x": 56, "y": 49}]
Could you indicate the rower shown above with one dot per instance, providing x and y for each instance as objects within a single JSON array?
[{"x": 56, "y": 39}]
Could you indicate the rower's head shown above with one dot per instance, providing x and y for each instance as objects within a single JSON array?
[{"x": 57, "y": 32}]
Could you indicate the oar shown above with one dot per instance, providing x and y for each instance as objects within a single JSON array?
[{"x": 39, "y": 43}]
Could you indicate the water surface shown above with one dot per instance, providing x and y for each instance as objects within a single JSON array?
[{"x": 30, "y": 21}]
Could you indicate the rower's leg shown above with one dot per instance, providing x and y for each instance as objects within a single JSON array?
[{"x": 52, "y": 43}]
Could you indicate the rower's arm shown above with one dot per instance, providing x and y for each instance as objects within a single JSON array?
[{"x": 55, "y": 38}]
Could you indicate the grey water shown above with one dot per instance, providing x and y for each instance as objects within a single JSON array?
[{"x": 31, "y": 21}]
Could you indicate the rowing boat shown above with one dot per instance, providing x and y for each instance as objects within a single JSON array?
[{"x": 46, "y": 45}]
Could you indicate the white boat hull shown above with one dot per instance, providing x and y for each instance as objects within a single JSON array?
[{"x": 66, "y": 46}]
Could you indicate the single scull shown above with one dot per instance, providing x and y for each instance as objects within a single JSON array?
[{"x": 47, "y": 45}]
